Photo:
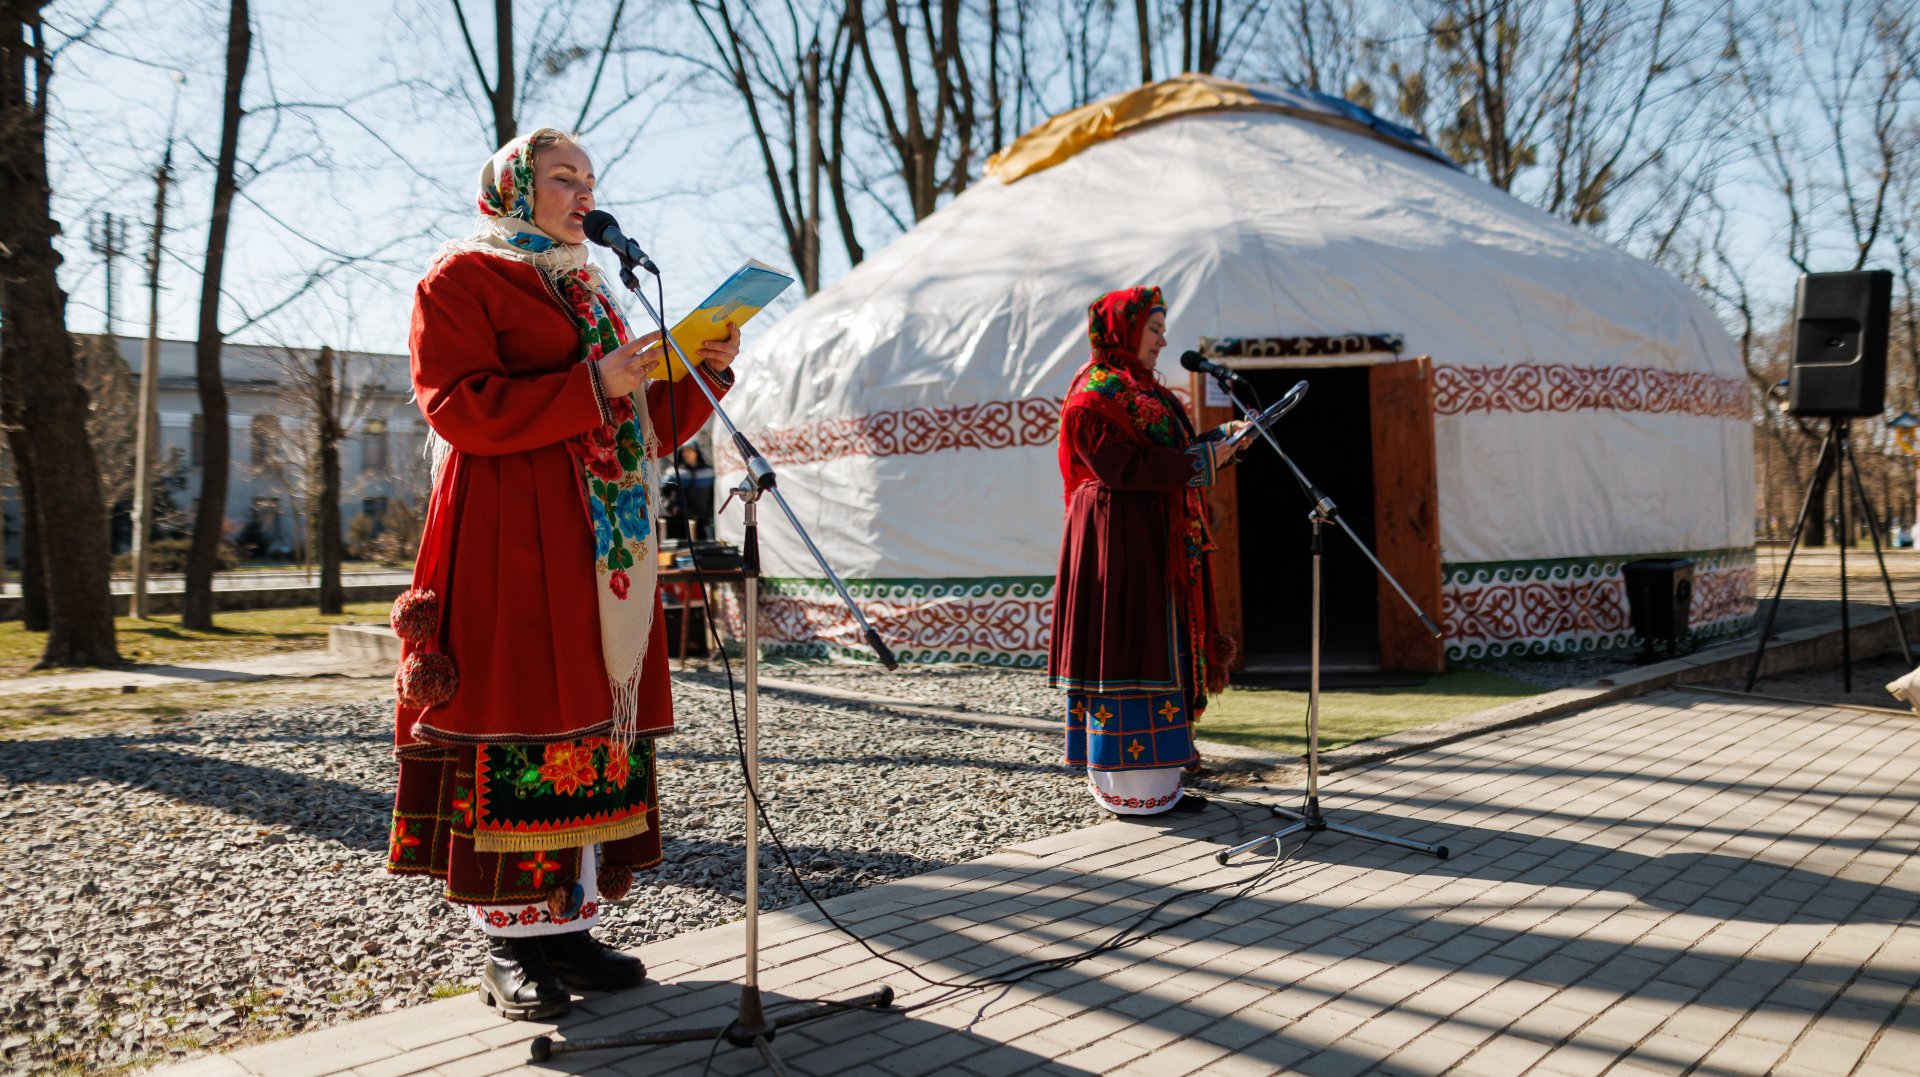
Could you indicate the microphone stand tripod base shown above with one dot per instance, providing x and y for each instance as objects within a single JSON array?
[
  {"x": 736, "y": 1032},
  {"x": 750, "y": 1026},
  {"x": 1310, "y": 820}
]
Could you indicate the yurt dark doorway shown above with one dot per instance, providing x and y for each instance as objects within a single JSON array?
[
  {"x": 1365, "y": 434},
  {"x": 1330, "y": 436}
]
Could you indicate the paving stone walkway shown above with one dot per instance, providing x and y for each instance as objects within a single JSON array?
[{"x": 1682, "y": 883}]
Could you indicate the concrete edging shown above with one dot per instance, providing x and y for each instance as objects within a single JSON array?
[{"x": 1789, "y": 652}]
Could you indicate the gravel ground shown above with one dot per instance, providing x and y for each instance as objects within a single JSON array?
[
  {"x": 218, "y": 878},
  {"x": 986, "y": 689}
]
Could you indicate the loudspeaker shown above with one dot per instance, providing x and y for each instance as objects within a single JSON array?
[
  {"x": 1840, "y": 343},
  {"x": 1659, "y": 598}
]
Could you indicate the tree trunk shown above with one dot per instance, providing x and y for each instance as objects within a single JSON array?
[
  {"x": 836, "y": 159},
  {"x": 504, "y": 127},
  {"x": 209, "y": 523},
  {"x": 33, "y": 571},
  {"x": 816, "y": 164},
  {"x": 1141, "y": 17},
  {"x": 327, "y": 513},
  {"x": 38, "y": 361},
  {"x": 1817, "y": 518},
  {"x": 1186, "y": 36}
]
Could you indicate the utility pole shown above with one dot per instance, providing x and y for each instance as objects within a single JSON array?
[
  {"x": 109, "y": 242},
  {"x": 144, "y": 451}
]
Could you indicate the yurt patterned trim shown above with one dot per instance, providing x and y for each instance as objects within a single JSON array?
[
  {"x": 1559, "y": 606},
  {"x": 1567, "y": 606},
  {"x": 1457, "y": 390},
  {"x": 1000, "y": 621},
  {"x": 1530, "y": 387}
]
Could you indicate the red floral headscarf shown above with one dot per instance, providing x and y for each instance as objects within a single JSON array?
[{"x": 1116, "y": 322}]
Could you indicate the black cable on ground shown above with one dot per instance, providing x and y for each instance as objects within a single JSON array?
[{"x": 1124, "y": 937}]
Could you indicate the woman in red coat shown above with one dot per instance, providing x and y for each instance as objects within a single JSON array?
[
  {"x": 1135, "y": 640},
  {"x": 533, "y": 678}
]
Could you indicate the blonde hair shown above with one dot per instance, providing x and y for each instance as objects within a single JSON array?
[{"x": 547, "y": 138}]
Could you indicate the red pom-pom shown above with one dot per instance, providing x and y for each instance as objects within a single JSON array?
[
  {"x": 614, "y": 882},
  {"x": 425, "y": 680},
  {"x": 416, "y": 615}
]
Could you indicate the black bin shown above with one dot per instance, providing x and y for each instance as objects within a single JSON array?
[{"x": 1659, "y": 596}]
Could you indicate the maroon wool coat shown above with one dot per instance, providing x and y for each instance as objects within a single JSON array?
[
  {"x": 495, "y": 368},
  {"x": 1114, "y": 607}
]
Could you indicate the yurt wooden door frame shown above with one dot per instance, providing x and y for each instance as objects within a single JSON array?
[{"x": 1405, "y": 502}]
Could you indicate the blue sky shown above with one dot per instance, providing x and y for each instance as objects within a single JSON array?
[
  {"x": 372, "y": 155},
  {"x": 395, "y": 181}
]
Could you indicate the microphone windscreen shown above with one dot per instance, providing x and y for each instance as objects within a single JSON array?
[
  {"x": 596, "y": 224},
  {"x": 1193, "y": 360}
]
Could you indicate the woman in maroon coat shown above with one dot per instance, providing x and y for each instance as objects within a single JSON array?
[
  {"x": 533, "y": 677},
  {"x": 1135, "y": 643}
]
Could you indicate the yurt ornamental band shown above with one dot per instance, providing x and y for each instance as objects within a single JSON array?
[{"x": 533, "y": 679}]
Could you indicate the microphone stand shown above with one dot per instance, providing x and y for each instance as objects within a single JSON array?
[
  {"x": 750, "y": 1027},
  {"x": 1309, "y": 818}
]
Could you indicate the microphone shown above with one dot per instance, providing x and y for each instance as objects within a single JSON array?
[
  {"x": 604, "y": 230},
  {"x": 1199, "y": 363}
]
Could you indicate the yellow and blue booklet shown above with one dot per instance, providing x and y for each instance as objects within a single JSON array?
[{"x": 739, "y": 298}]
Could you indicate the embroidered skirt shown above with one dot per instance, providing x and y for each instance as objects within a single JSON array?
[
  {"x": 1129, "y": 730},
  {"x": 506, "y": 823}
]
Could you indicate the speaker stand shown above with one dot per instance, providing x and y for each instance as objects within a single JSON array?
[{"x": 1836, "y": 455}]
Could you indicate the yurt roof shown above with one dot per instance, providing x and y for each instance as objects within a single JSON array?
[
  {"x": 1062, "y": 136},
  {"x": 925, "y": 383},
  {"x": 1256, "y": 222}
]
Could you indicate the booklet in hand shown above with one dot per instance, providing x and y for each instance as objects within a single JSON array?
[
  {"x": 1262, "y": 420},
  {"x": 739, "y": 298}
]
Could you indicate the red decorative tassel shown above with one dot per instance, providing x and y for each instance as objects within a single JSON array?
[
  {"x": 614, "y": 882},
  {"x": 416, "y": 615},
  {"x": 1220, "y": 657},
  {"x": 425, "y": 680}
]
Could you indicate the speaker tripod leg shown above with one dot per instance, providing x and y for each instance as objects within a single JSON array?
[
  {"x": 1780, "y": 585},
  {"x": 1866, "y": 509},
  {"x": 1839, "y": 472}
]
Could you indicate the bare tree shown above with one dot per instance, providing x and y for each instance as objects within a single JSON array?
[
  {"x": 319, "y": 388},
  {"x": 203, "y": 557},
  {"x": 499, "y": 92},
  {"x": 113, "y": 414},
  {"x": 1211, "y": 30},
  {"x": 1823, "y": 94},
  {"x": 1323, "y": 48},
  {"x": 549, "y": 52},
  {"x": 1853, "y": 66},
  {"x": 790, "y": 89},
  {"x": 1143, "y": 19},
  {"x": 925, "y": 100},
  {"x": 45, "y": 411}
]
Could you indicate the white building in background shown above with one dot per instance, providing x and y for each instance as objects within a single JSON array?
[{"x": 381, "y": 460}]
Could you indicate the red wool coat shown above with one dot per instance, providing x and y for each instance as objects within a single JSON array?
[{"x": 494, "y": 367}]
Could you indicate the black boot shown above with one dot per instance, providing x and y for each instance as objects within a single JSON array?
[
  {"x": 520, "y": 983},
  {"x": 584, "y": 963}
]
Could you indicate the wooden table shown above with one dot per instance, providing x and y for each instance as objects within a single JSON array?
[{"x": 680, "y": 590}]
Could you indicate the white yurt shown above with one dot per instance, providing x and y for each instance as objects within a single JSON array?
[{"x": 1507, "y": 408}]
